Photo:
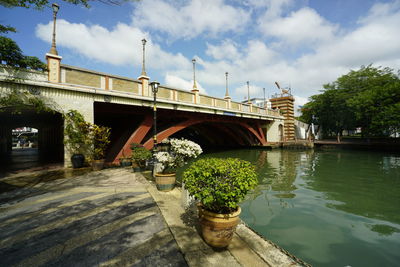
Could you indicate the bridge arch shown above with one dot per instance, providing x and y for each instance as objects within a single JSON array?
[{"x": 255, "y": 131}]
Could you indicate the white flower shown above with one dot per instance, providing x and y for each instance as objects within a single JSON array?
[{"x": 180, "y": 151}]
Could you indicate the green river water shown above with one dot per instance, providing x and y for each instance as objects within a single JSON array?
[{"x": 327, "y": 207}]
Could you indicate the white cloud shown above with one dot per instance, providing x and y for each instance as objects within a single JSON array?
[
  {"x": 304, "y": 26},
  {"x": 275, "y": 8},
  {"x": 191, "y": 18},
  {"x": 376, "y": 39},
  {"x": 253, "y": 90},
  {"x": 298, "y": 102},
  {"x": 226, "y": 50},
  {"x": 120, "y": 46},
  {"x": 177, "y": 82}
]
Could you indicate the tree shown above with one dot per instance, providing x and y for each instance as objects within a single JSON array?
[
  {"x": 38, "y": 4},
  {"x": 11, "y": 55},
  {"x": 368, "y": 98},
  {"x": 376, "y": 100},
  {"x": 331, "y": 112}
]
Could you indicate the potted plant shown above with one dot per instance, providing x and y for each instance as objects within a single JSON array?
[
  {"x": 139, "y": 156},
  {"x": 219, "y": 185},
  {"x": 100, "y": 136},
  {"x": 76, "y": 139},
  {"x": 125, "y": 161},
  {"x": 179, "y": 151}
]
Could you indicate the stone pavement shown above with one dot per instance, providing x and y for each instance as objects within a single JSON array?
[
  {"x": 102, "y": 218},
  {"x": 111, "y": 218}
]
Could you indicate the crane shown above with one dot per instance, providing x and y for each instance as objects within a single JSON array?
[{"x": 283, "y": 91}]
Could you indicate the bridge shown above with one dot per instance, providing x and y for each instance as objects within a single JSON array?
[{"x": 126, "y": 105}]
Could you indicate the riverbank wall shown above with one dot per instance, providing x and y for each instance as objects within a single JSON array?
[{"x": 385, "y": 144}]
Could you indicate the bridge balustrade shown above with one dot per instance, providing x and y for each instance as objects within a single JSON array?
[
  {"x": 206, "y": 100},
  {"x": 89, "y": 79},
  {"x": 74, "y": 75}
]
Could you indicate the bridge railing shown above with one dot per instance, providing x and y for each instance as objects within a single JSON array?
[
  {"x": 91, "y": 79},
  {"x": 78, "y": 76}
]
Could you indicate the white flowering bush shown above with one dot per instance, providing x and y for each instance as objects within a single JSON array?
[{"x": 179, "y": 152}]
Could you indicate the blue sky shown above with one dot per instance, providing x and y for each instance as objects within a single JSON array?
[{"x": 299, "y": 43}]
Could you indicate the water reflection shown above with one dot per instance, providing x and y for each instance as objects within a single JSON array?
[
  {"x": 331, "y": 208},
  {"x": 357, "y": 182}
]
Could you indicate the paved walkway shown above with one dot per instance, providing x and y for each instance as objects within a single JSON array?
[{"x": 111, "y": 218}]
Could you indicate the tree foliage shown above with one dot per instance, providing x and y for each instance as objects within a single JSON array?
[
  {"x": 40, "y": 4},
  {"x": 368, "y": 98},
  {"x": 37, "y": 4},
  {"x": 11, "y": 55},
  {"x": 17, "y": 101}
]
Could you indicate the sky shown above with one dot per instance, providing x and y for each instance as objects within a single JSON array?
[{"x": 301, "y": 44}]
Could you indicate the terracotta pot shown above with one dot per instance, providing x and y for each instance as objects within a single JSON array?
[
  {"x": 98, "y": 164},
  {"x": 165, "y": 182},
  {"x": 218, "y": 229}
]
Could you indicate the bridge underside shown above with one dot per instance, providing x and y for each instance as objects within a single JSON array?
[
  {"x": 135, "y": 125},
  {"x": 50, "y": 147}
]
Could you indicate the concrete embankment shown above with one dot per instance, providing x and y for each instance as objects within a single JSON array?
[
  {"x": 247, "y": 248},
  {"x": 388, "y": 144}
]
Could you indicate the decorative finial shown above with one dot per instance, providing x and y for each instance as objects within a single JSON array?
[
  {"x": 194, "y": 75},
  {"x": 227, "y": 90},
  {"x": 144, "y": 64}
]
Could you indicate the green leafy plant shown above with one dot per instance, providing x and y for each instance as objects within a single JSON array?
[
  {"x": 76, "y": 132},
  {"x": 16, "y": 101},
  {"x": 135, "y": 145},
  {"x": 220, "y": 184},
  {"x": 100, "y": 136},
  {"x": 140, "y": 155}
]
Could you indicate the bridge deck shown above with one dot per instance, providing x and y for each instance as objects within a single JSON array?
[{"x": 122, "y": 90}]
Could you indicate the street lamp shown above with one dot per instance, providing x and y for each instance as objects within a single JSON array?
[
  {"x": 194, "y": 75},
  {"x": 226, "y": 83},
  {"x": 265, "y": 104},
  {"x": 248, "y": 93},
  {"x": 154, "y": 88},
  {"x": 143, "y": 64},
  {"x": 53, "y": 49}
]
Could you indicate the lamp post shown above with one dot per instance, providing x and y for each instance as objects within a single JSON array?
[
  {"x": 226, "y": 83},
  {"x": 265, "y": 104},
  {"x": 194, "y": 75},
  {"x": 248, "y": 93},
  {"x": 143, "y": 64},
  {"x": 154, "y": 88},
  {"x": 53, "y": 49}
]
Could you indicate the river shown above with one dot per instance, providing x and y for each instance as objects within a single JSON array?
[{"x": 327, "y": 207}]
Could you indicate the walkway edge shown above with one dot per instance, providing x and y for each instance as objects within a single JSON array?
[{"x": 247, "y": 247}]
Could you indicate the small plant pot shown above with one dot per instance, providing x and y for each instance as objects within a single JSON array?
[
  {"x": 98, "y": 164},
  {"x": 77, "y": 160},
  {"x": 218, "y": 229},
  {"x": 165, "y": 182}
]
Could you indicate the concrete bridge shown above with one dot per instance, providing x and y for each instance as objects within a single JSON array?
[{"x": 126, "y": 105}]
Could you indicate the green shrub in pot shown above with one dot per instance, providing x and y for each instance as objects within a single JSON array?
[
  {"x": 220, "y": 184},
  {"x": 140, "y": 155}
]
